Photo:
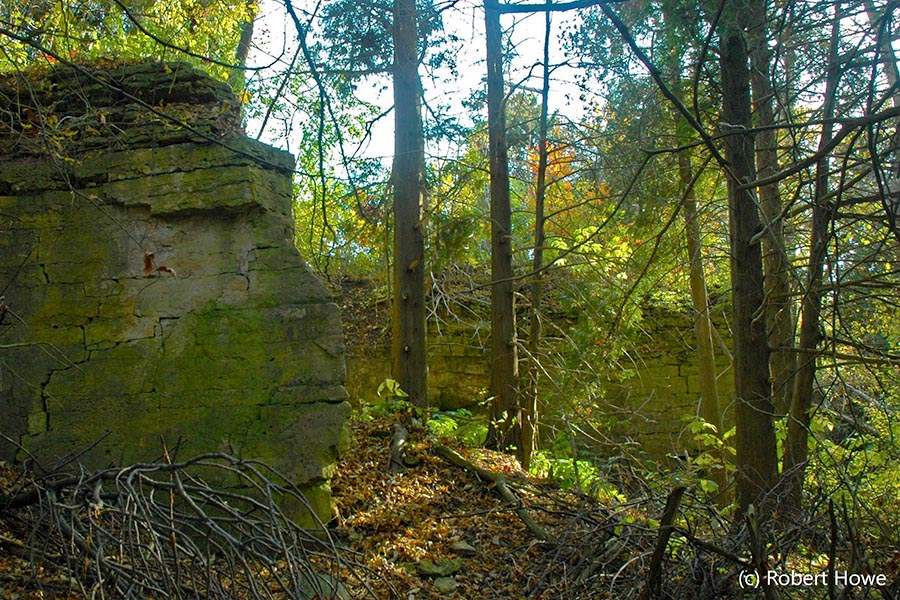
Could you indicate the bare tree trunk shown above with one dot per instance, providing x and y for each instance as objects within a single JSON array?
[
  {"x": 796, "y": 449},
  {"x": 709, "y": 405},
  {"x": 757, "y": 465},
  {"x": 408, "y": 322},
  {"x": 236, "y": 77},
  {"x": 503, "y": 431},
  {"x": 779, "y": 307},
  {"x": 530, "y": 409},
  {"x": 710, "y": 410}
]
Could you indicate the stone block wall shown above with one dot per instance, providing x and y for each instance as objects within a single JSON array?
[
  {"x": 458, "y": 366},
  {"x": 646, "y": 404},
  {"x": 662, "y": 392},
  {"x": 154, "y": 292}
]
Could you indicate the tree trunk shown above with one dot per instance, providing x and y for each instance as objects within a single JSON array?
[
  {"x": 530, "y": 410},
  {"x": 408, "y": 322},
  {"x": 709, "y": 405},
  {"x": 779, "y": 307},
  {"x": 709, "y": 408},
  {"x": 757, "y": 465},
  {"x": 237, "y": 78},
  {"x": 503, "y": 430},
  {"x": 796, "y": 448},
  {"x": 703, "y": 327}
]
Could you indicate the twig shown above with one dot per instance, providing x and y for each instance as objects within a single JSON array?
[
  {"x": 758, "y": 553},
  {"x": 654, "y": 575},
  {"x": 158, "y": 529}
]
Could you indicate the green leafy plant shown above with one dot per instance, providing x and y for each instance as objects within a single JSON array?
[
  {"x": 579, "y": 474},
  {"x": 460, "y": 425},
  {"x": 392, "y": 400},
  {"x": 713, "y": 453}
]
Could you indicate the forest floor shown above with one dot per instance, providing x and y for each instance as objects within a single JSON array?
[
  {"x": 455, "y": 523},
  {"x": 438, "y": 530},
  {"x": 443, "y": 528}
]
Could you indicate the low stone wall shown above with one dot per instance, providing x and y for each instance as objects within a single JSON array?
[
  {"x": 646, "y": 404},
  {"x": 662, "y": 392},
  {"x": 458, "y": 369},
  {"x": 153, "y": 291}
]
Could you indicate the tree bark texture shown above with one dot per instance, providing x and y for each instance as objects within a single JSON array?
[
  {"x": 757, "y": 465},
  {"x": 796, "y": 446},
  {"x": 779, "y": 307},
  {"x": 237, "y": 76},
  {"x": 408, "y": 319},
  {"x": 504, "y": 429}
]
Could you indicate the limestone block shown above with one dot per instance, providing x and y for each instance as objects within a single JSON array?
[
  {"x": 161, "y": 298},
  {"x": 317, "y": 428}
]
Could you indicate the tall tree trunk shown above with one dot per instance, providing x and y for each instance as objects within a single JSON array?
[
  {"x": 779, "y": 307},
  {"x": 530, "y": 409},
  {"x": 503, "y": 431},
  {"x": 408, "y": 322},
  {"x": 796, "y": 446},
  {"x": 237, "y": 77},
  {"x": 703, "y": 327},
  {"x": 709, "y": 408},
  {"x": 757, "y": 465}
]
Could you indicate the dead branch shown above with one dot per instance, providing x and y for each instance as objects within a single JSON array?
[
  {"x": 161, "y": 530},
  {"x": 654, "y": 574},
  {"x": 455, "y": 458}
]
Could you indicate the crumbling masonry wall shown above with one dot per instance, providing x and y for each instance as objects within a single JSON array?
[{"x": 152, "y": 291}]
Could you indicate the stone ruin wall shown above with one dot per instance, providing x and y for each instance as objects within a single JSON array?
[
  {"x": 647, "y": 404},
  {"x": 152, "y": 288},
  {"x": 663, "y": 393}
]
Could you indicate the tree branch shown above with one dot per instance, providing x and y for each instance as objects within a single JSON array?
[
  {"x": 455, "y": 458},
  {"x": 549, "y": 6}
]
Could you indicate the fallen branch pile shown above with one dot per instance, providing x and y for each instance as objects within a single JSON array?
[{"x": 159, "y": 530}]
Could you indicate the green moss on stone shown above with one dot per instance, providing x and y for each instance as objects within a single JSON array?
[{"x": 240, "y": 352}]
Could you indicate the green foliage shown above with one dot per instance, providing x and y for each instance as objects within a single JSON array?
[
  {"x": 341, "y": 229},
  {"x": 714, "y": 453},
  {"x": 205, "y": 33},
  {"x": 358, "y": 35},
  {"x": 460, "y": 425},
  {"x": 575, "y": 474},
  {"x": 392, "y": 401},
  {"x": 854, "y": 459}
]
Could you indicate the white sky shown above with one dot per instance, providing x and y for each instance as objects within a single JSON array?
[{"x": 274, "y": 36}]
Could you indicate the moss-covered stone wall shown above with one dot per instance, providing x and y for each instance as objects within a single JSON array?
[
  {"x": 152, "y": 291},
  {"x": 652, "y": 403},
  {"x": 647, "y": 400}
]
